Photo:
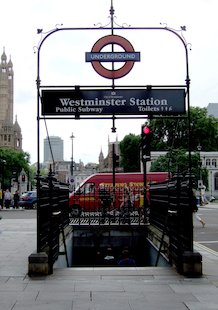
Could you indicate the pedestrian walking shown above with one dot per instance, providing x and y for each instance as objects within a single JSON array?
[
  {"x": 16, "y": 199},
  {"x": 1, "y": 199},
  {"x": 196, "y": 207},
  {"x": 126, "y": 208},
  {"x": 126, "y": 260},
  {"x": 141, "y": 203},
  {"x": 109, "y": 257},
  {"x": 7, "y": 198},
  {"x": 200, "y": 219},
  {"x": 203, "y": 195},
  {"x": 105, "y": 202}
]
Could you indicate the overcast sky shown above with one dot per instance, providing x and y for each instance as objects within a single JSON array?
[{"x": 63, "y": 59}]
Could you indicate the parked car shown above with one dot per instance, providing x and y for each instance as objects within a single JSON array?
[{"x": 28, "y": 200}]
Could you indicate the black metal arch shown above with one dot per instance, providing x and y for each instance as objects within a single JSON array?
[{"x": 113, "y": 117}]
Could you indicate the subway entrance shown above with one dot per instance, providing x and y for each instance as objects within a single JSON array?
[
  {"x": 112, "y": 246},
  {"x": 169, "y": 204}
]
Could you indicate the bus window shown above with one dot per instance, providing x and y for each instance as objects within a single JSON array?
[
  {"x": 91, "y": 188},
  {"x": 88, "y": 188}
]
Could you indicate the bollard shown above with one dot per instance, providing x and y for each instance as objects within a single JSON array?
[
  {"x": 38, "y": 264},
  {"x": 192, "y": 264}
]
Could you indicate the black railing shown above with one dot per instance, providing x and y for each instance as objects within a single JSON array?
[
  {"x": 106, "y": 205},
  {"x": 52, "y": 217},
  {"x": 171, "y": 212}
]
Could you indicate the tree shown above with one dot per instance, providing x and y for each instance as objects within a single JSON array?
[
  {"x": 173, "y": 133},
  {"x": 130, "y": 153},
  {"x": 177, "y": 162},
  {"x": 11, "y": 164}
]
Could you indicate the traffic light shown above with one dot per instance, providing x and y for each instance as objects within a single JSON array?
[
  {"x": 14, "y": 176},
  {"x": 146, "y": 142}
]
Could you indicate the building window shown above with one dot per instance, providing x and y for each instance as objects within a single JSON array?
[
  {"x": 207, "y": 162},
  {"x": 214, "y": 162},
  {"x": 216, "y": 181}
]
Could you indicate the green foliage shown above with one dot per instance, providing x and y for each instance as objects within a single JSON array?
[
  {"x": 130, "y": 153},
  {"x": 177, "y": 161},
  {"x": 173, "y": 133},
  {"x": 11, "y": 164},
  {"x": 174, "y": 162}
]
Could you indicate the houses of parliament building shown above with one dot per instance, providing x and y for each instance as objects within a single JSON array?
[{"x": 10, "y": 131}]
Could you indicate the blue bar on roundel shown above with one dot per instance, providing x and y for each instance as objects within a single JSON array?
[{"x": 112, "y": 56}]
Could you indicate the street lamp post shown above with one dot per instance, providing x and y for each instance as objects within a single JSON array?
[
  {"x": 71, "y": 166},
  {"x": 200, "y": 183},
  {"x": 2, "y": 162},
  {"x": 211, "y": 186}
]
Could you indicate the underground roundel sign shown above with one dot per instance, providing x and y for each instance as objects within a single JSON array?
[{"x": 96, "y": 57}]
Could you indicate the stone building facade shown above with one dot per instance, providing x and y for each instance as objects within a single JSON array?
[
  {"x": 106, "y": 163},
  {"x": 10, "y": 132}
]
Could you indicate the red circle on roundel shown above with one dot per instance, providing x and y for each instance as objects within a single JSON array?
[{"x": 112, "y": 39}]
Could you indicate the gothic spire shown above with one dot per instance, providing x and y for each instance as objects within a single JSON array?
[{"x": 4, "y": 57}]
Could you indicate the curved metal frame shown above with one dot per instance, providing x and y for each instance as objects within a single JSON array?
[
  {"x": 112, "y": 29},
  {"x": 38, "y": 81}
]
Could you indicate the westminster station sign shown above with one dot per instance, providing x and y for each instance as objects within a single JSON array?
[
  {"x": 113, "y": 102},
  {"x": 98, "y": 102}
]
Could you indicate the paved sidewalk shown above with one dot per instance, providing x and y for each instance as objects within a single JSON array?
[{"x": 144, "y": 288}]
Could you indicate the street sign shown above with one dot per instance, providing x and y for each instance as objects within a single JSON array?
[
  {"x": 130, "y": 56},
  {"x": 112, "y": 56},
  {"x": 113, "y": 102},
  {"x": 71, "y": 180},
  {"x": 200, "y": 184}
]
